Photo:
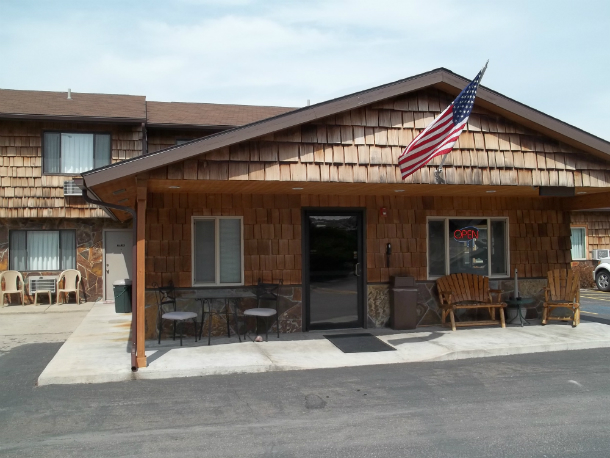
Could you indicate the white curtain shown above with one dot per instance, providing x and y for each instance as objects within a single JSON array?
[
  {"x": 76, "y": 153},
  {"x": 578, "y": 243},
  {"x": 230, "y": 250},
  {"x": 43, "y": 250}
]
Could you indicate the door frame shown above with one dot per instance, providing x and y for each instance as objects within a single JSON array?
[
  {"x": 104, "y": 231},
  {"x": 362, "y": 299}
]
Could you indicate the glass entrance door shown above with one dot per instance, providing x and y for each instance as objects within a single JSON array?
[{"x": 333, "y": 268}]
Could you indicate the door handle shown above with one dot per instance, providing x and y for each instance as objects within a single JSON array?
[{"x": 357, "y": 269}]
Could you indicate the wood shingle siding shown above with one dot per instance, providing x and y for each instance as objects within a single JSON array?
[
  {"x": 363, "y": 145},
  {"x": 25, "y": 192},
  {"x": 539, "y": 232}
]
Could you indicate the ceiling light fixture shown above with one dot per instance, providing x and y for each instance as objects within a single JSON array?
[
  {"x": 174, "y": 187},
  {"x": 297, "y": 189},
  {"x": 123, "y": 200},
  {"x": 399, "y": 190},
  {"x": 119, "y": 191},
  {"x": 581, "y": 192},
  {"x": 490, "y": 191}
]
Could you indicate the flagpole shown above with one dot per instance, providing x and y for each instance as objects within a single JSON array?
[{"x": 439, "y": 170}]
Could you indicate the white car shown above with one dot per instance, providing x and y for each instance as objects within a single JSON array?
[{"x": 601, "y": 275}]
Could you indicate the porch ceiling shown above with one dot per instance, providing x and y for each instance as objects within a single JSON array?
[{"x": 123, "y": 192}]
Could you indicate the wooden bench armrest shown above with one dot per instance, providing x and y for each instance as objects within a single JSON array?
[
  {"x": 445, "y": 296},
  {"x": 497, "y": 293}
]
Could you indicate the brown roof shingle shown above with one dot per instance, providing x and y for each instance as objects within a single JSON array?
[
  {"x": 208, "y": 114},
  {"x": 46, "y": 104}
]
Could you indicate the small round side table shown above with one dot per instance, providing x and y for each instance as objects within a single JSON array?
[{"x": 519, "y": 304}]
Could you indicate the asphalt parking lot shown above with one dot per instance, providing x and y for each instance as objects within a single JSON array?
[{"x": 595, "y": 305}]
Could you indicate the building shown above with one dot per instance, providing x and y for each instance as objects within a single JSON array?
[
  {"x": 314, "y": 197},
  {"x": 48, "y": 138}
]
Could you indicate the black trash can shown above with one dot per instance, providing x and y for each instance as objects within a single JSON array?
[
  {"x": 403, "y": 303},
  {"x": 122, "y": 296}
]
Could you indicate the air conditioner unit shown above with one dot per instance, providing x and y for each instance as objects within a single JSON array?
[
  {"x": 44, "y": 283},
  {"x": 600, "y": 254},
  {"x": 70, "y": 189}
]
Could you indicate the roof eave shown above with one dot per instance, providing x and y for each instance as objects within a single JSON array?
[{"x": 42, "y": 117}]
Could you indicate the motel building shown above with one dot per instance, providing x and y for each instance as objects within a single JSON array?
[{"x": 314, "y": 198}]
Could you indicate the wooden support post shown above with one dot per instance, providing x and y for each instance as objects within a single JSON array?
[{"x": 140, "y": 273}]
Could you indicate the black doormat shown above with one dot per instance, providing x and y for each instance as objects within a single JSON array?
[{"x": 359, "y": 343}]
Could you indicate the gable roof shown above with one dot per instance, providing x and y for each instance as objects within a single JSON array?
[
  {"x": 172, "y": 114},
  {"x": 441, "y": 78},
  {"x": 81, "y": 106}
]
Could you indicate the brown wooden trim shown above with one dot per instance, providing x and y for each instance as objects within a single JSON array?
[
  {"x": 141, "y": 274},
  {"x": 600, "y": 200}
]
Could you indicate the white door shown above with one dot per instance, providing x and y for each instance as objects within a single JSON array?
[{"x": 118, "y": 248}]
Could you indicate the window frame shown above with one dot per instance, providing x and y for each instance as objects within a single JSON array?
[
  {"x": 216, "y": 220},
  {"x": 489, "y": 219},
  {"x": 61, "y": 269},
  {"x": 42, "y": 156},
  {"x": 583, "y": 227}
]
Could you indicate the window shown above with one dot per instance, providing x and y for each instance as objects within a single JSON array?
[
  {"x": 42, "y": 250},
  {"x": 217, "y": 251},
  {"x": 578, "y": 237},
  {"x": 468, "y": 245},
  {"x": 73, "y": 153}
]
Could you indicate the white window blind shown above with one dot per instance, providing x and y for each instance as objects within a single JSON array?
[
  {"x": 205, "y": 248},
  {"x": 230, "y": 250},
  {"x": 217, "y": 251}
]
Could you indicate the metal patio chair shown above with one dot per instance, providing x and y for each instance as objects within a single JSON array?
[
  {"x": 268, "y": 292},
  {"x": 13, "y": 284},
  {"x": 167, "y": 310}
]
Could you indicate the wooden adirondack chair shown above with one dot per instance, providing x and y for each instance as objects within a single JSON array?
[
  {"x": 562, "y": 291},
  {"x": 469, "y": 291}
]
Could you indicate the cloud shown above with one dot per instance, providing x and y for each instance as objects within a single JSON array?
[{"x": 283, "y": 53}]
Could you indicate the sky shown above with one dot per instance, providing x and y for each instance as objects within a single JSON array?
[{"x": 553, "y": 56}]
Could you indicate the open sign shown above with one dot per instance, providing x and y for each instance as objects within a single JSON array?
[{"x": 466, "y": 234}]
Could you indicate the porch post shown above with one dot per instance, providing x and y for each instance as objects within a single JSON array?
[{"x": 141, "y": 273}]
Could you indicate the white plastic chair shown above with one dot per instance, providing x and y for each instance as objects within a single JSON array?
[
  {"x": 13, "y": 284},
  {"x": 71, "y": 279}
]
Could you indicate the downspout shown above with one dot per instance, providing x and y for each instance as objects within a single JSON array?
[{"x": 134, "y": 308}]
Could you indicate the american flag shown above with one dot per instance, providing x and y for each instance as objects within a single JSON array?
[{"x": 440, "y": 136}]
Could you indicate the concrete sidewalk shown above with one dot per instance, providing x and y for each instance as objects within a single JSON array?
[{"x": 98, "y": 350}]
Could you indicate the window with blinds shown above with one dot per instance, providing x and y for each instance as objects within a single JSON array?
[
  {"x": 73, "y": 153},
  {"x": 42, "y": 250},
  {"x": 217, "y": 251}
]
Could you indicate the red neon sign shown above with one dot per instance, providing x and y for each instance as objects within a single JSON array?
[{"x": 466, "y": 234}]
